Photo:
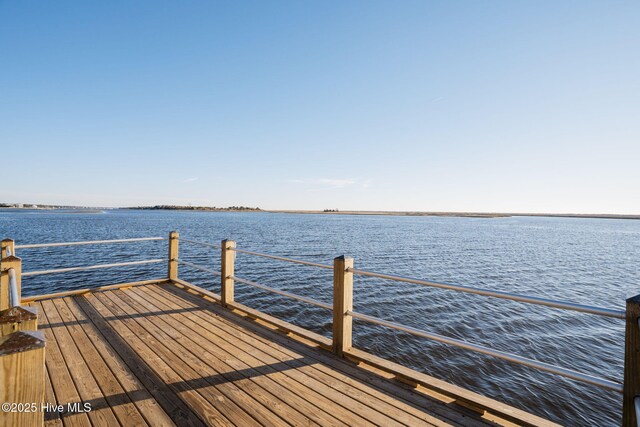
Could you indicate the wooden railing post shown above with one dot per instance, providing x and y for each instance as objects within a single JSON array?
[
  {"x": 22, "y": 347},
  {"x": 342, "y": 303},
  {"x": 631, "y": 362},
  {"x": 173, "y": 255},
  {"x": 7, "y": 244},
  {"x": 10, "y": 262},
  {"x": 23, "y": 381},
  {"x": 227, "y": 259},
  {"x": 16, "y": 319}
]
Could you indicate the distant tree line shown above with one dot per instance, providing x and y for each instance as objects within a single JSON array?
[
  {"x": 331, "y": 210},
  {"x": 196, "y": 208}
]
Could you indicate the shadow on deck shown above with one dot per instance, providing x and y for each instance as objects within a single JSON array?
[{"x": 158, "y": 355}]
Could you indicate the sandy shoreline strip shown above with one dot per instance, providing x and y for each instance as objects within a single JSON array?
[
  {"x": 317, "y": 212},
  {"x": 458, "y": 214}
]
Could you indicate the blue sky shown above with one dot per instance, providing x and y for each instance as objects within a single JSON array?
[{"x": 527, "y": 106}]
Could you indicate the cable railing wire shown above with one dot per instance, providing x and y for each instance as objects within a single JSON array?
[
  {"x": 91, "y": 267},
  {"x": 296, "y": 261},
  {"x": 569, "y": 373},
  {"x": 198, "y": 267},
  {"x": 601, "y": 311},
  {"x": 200, "y": 243},
  {"x": 284, "y": 293},
  {"x": 87, "y": 242}
]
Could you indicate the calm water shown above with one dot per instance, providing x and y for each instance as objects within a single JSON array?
[{"x": 588, "y": 261}]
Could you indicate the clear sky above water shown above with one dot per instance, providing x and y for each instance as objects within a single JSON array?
[{"x": 427, "y": 105}]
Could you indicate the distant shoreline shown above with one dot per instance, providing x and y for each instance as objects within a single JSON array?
[
  {"x": 397, "y": 213},
  {"x": 82, "y": 209},
  {"x": 459, "y": 214}
]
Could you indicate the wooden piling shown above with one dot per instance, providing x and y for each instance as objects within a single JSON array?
[
  {"x": 173, "y": 255},
  {"x": 227, "y": 267},
  {"x": 342, "y": 303},
  {"x": 23, "y": 381}
]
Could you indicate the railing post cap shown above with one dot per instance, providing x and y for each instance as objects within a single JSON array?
[
  {"x": 174, "y": 233},
  {"x": 229, "y": 241},
  {"x": 18, "y": 314},
  {"x": 343, "y": 258},
  {"x": 7, "y": 240},
  {"x": 634, "y": 299},
  {"x": 21, "y": 341},
  {"x": 11, "y": 258}
]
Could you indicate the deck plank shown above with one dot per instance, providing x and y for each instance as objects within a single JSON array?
[
  {"x": 61, "y": 382},
  {"x": 161, "y": 362},
  {"x": 155, "y": 380},
  {"x": 231, "y": 400},
  {"x": 267, "y": 395},
  {"x": 51, "y": 418},
  {"x": 402, "y": 395},
  {"x": 386, "y": 399},
  {"x": 137, "y": 392},
  {"x": 369, "y": 407},
  {"x": 295, "y": 394},
  {"x": 347, "y": 409},
  {"x": 114, "y": 395},
  {"x": 101, "y": 413},
  {"x": 161, "y": 355}
]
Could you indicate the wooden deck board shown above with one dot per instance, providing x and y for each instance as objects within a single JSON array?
[
  {"x": 365, "y": 415},
  {"x": 137, "y": 392},
  {"x": 370, "y": 404},
  {"x": 53, "y": 418},
  {"x": 153, "y": 379},
  {"x": 249, "y": 381},
  {"x": 159, "y": 355},
  {"x": 268, "y": 377},
  {"x": 238, "y": 407},
  {"x": 392, "y": 398},
  {"x": 62, "y": 384},
  {"x": 303, "y": 387},
  {"x": 85, "y": 384},
  {"x": 102, "y": 389}
]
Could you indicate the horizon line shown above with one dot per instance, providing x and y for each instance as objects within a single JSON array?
[{"x": 487, "y": 214}]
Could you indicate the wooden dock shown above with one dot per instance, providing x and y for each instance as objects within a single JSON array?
[
  {"x": 158, "y": 355},
  {"x": 164, "y": 352}
]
